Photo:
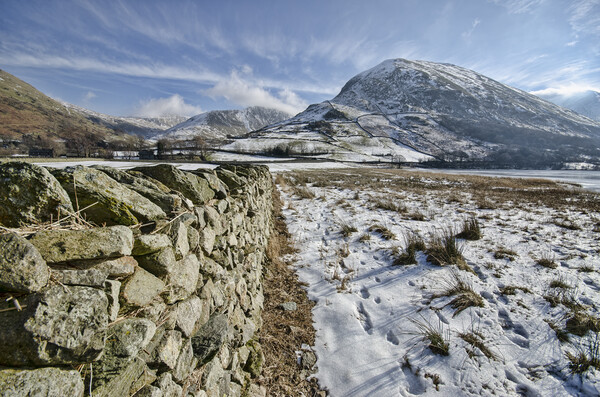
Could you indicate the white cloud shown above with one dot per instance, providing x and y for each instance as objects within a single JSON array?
[
  {"x": 242, "y": 92},
  {"x": 89, "y": 96},
  {"x": 173, "y": 105},
  {"x": 566, "y": 90}
]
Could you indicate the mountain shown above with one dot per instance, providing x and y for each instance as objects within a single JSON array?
[
  {"x": 145, "y": 126},
  {"x": 416, "y": 110},
  {"x": 586, "y": 103},
  {"x": 218, "y": 125},
  {"x": 29, "y": 118}
]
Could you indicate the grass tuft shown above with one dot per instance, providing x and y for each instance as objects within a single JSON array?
[
  {"x": 476, "y": 340},
  {"x": 587, "y": 356},
  {"x": 580, "y": 323},
  {"x": 435, "y": 337},
  {"x": 414, "y": 243},
  {"x": 347, "y": 230},
  {"x": 512, "y": 290},
  {"x": 470, "y": 230},
  {"x": 444, "y": 249},
  {"x": 385, "y": 233},
  {"x": 547, "y": 261},
  {"x": 463, "y": 292},
  {"x": 503, "y": 253}
]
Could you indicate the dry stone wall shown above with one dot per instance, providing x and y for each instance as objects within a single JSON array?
[{"x": 164, "y": 298}]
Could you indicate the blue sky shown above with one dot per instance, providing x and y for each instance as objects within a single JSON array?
[{"x": 149, "y": 57}]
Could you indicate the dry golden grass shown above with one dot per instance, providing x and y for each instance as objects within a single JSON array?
[{"x": 282, "y": 333}]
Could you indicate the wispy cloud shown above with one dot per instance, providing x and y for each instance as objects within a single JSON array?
[
  {"x": 173, "y": 105},
  {"x": 238, "y": 90},
  {"x": 467, "y": 34},
  {"x": 519, "y": 6},
  {"x": 585, "y": 16}
]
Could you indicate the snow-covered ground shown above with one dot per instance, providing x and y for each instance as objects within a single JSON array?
[{"x": 372, "y": 317}]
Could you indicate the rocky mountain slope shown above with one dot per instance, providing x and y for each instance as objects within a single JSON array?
[
  {"x": 220, "y": 124},
  {"x": 586, "y": 103},
  {"x": 29, "y": 116},
  {"x": 143, "y": 126},
  {"x": 416, "y": 110}
]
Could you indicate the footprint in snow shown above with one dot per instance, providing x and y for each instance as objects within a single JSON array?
[
  {"x": 364, "y": 293},
  {"x": 364, "y": 318},
  {"x": 392, "y": 338}
]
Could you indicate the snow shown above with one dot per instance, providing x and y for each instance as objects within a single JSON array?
[{"x": 368, "y": 312}]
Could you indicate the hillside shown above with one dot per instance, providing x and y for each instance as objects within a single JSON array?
[
  {"x": 30, "y": 118},
  {"x": 221, "y": 124},
  {"x": 586, "y": 103},
  {"x": 144, "y": 126},
  {"x": 415, "y": 110}
]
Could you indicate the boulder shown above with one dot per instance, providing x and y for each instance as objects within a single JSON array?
[
  {"x": 74, "y": 245},
  {"x": 115, "y": 379},
  {"x": 186, "y": 362},
  {"x": 167, "y": 351},
  {"x": 181, "y": 281},
  {"x": 22, "y": 268},
  {"x": 207, "y": 342},
  {"x": 129, "y": 336},
  {"x": 168, "y": 386},
  {"x": 115, "y": 204},
  {"x": 191, "y": 186},
  {"x": 150, "y": 243},
  {"x": 119, "y": 267},
  {"x": 30, "y": 194},
  {"x": 159, "y": 263},
  {"x": 59, "y": 326},
  {"x": 140, "y": 288},
  {"x": 41, "y": 382},
  {"x": 213, "y": 181},
  {"x": 188, "y": 313},
  {"x": 232, "y": 180},
  {"x": 207, "y": 239},
  {"x": 148, "y": 187}
]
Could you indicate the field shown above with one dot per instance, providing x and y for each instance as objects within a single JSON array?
[{"x": 430, "y": 284}]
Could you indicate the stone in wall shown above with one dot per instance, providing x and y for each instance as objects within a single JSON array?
[
  {"x": 22, "y": 268},
  {"x": 30, "y": 194},
  {"x": 194, "y": 188},
  {"x": 104, "y": 200},
  {"x": 59, "y": 325},
  {"x": 58, "y": 246},
  {"x": 42, "y": 382},
  {"x": 150, "y": 188}
]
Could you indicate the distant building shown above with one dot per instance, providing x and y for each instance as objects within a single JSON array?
[
  {"x": 35, "y": 152},
  {"x": 147, "y": 154}
]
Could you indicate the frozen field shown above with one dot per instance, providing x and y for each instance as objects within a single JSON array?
[{"x": 518, "y": 315}]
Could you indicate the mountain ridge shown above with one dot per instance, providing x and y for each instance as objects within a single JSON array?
[{"x": 415, "y": 110}]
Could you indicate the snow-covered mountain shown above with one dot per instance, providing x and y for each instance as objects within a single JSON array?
[
  {"x": 144, "y": 126},
  {"x": 221, "y": 124},
  {"x": 414, "y": 110},
  {"x": 586, "y": 103}
]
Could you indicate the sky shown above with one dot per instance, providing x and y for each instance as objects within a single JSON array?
[{"x": 151, "y": 58}]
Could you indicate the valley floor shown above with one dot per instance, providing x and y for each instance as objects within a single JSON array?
[{"x": 516, "y": 314}]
